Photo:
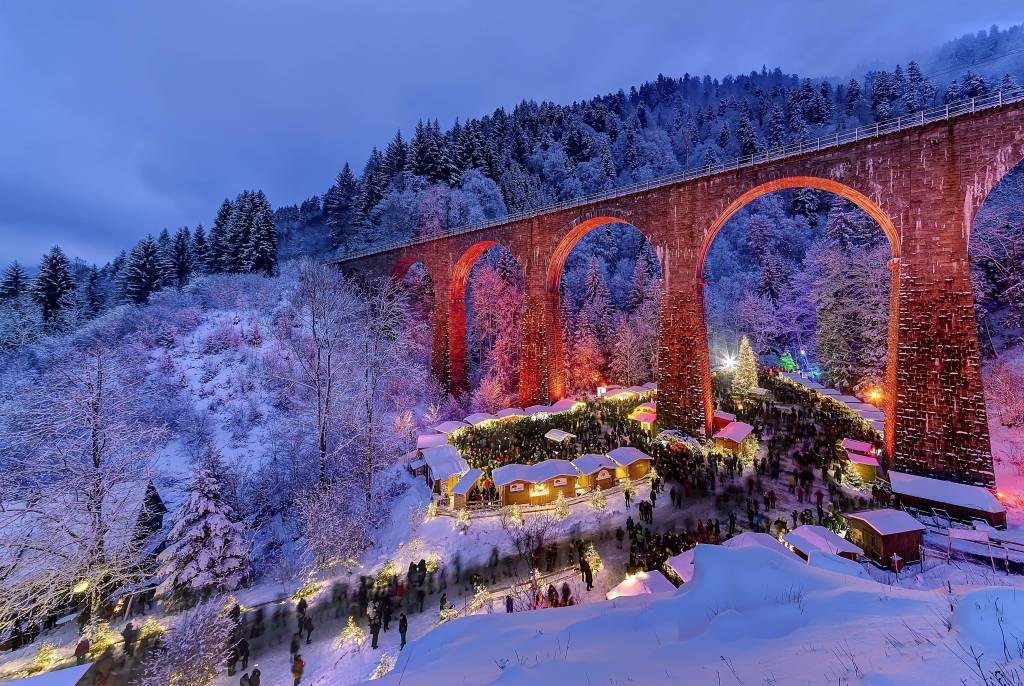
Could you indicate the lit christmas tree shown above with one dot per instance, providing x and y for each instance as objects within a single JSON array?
[
  {"x": 787, "y": 363},
  {"x": 745, "y": 376}
]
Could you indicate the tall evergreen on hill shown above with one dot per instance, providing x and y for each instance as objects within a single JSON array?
[
  {"x": 94, "y": 296},
  {"x": 180, "y": 258},
  {"x": 143, "y": 272},
  {"x": 342, "y": 199},
  {"x": 259, "y": 254},
  {"x": 53, "y": 288},
  {"x": 14, "y": 282},
  {"x": 216, "y": 261},
  {"x": 200, "y": 251}
]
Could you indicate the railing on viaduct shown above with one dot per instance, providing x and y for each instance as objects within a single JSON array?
[{"x": 901, "y": 123}]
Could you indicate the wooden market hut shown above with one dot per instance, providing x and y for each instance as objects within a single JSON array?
[
  {"x": 480, "y": 418},
  {"x": 513, "y": 482},
  {"x": 887, "y": 532},
  {"x": 444, "y": 468},
  {"x": 595, "y": 470},
  {"x": 646, "y": 420},
  {"x": 734, "y": 437},
  {"x": 633, "y": 463},
  {"x": 853, "y": 446},
  {"x": 809, "y": 538},
  {"x": 960, "y": 501},
  {"x": 864, "y": 466},
  {"x": 464, "y": 489},
  {"x": 565, "y": 405},
  {"x": 511, "y": 413},
  {"x": 550, "y": 478},
  {"x": 450, "y": 427},
  {"x": 722, "y": 419}
]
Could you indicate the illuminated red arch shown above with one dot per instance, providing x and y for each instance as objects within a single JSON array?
[
  {"x": 574, "y": 236},
  {"x": 842, "y": 190},
  {"x": 463, "y": 268}
]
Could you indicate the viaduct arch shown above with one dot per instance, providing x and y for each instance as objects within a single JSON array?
[{"x": 923, "y": 184}]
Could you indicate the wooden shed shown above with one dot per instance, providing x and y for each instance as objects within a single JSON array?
[
  {"x": 734, "y": 437},
  {"x": 960, "y": 501},
  {"x": 514, "y": 483},
  {"x": 444, "y": 468},
  {"x": 809, "y": 538},
  {"x": 595, "y": 470},
  {"x": 550, "y": 478},
  {"x": 722, "y": 419},
  {"x": 464, "y": 492},
  {"x": 632, "y": 462},
  {"x": 864, "y": 466},
  {"x": 887, "y": 532}
]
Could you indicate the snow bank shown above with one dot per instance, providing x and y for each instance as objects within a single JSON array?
[{"x": 750, "y": 614}]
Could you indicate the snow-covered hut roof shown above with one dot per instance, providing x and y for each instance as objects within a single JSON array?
[
  {"x": 871, "y": 415},
  {"x": 877, "y": 425},
  {"x": 857, "y": 407},
  {"x": 478, "y": 418},
  {"x": 68, "y": 676},
  {"x": 511, "y": 412},
  {"x": 722, "y": 414},
  {"x": 558, "y": 436},
  {"x": 834, "y": 563},
  {"x": 627, "y": 455},
  {"x": 859, "y": 458},
  {"x": 736, "y": 432},
  {"x": 809, "y": 537},
  {"x": 949, "y": 492},
  {"x": 829, "y": 391},
  {"x": 641, "y": 583},
  {"x": 467, "y": 481},
  {"x": 850, "y": 445},
  {"x": 537, "y": 409},
  {"x": 645, "y": 417},
  {"x": 450, "y": 427},
  {"x": 650, "y": 386},
  {"x": 591, "y": 463},
  {"x": 444, "y": 462},
  {"x": 649, "y": 406},
  {"x": 549, "y": 469},
  {"x": 813, "y": 385},
  {"x": 682, "y": 564},
  {"x": 638, "y": 389},
  {"x": 757, "y": 390},
  {"x": 845, "y": 399},
  {"x": 564, "y": 405},
  {"x": 887, "y": 521},
  {"x": 431, "y": 440},
  {"x": 614, "y": 392},
  {"x": 508, "y": 473}
]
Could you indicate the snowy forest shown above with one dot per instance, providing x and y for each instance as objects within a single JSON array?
[{"x": 270, "y": 397}]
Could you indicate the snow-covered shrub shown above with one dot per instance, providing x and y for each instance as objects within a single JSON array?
[
  {"x": 193, "y": 651},
  {"x": 352, "y": 634},
  {"x": 561, "y": 507},
  {"x": 597, "y": 499},
  {"x": 515, "y": 515}
]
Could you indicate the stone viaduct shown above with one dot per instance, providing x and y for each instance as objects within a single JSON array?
[{"x": 922, "y": 183}]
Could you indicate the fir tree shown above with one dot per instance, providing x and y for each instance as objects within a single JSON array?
[
  {"x": 341, "y": 202},
  {"x": 744, "y": 377},
  {"x": 394, "y": 159},
  {"x": 776, "y": 127},
  {"x": 14, "y": 283},
  {"x": 94, "y": 296},
  {"x": 853, "y": 97},
  {"x": 142, "y": 273},
  {"x": 207, "y": 551},
  {"x": 53, "y": 288},
  {"x": 260, "y": 254},
  {"x": 746, "y": 135},
  {"x": 200, "y": 251},
  {"x": 180, "y": 260},
  {"x": 216, "y": 261}
]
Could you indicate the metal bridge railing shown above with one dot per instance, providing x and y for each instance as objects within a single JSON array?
[{"x": 901, "y": 123}]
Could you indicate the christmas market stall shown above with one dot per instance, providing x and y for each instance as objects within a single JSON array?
[
  {"x": 450, "y": 427},
  {"x": 513, "y": 482},
  {"x": 550, "y": 478},
  {"x": 595, "y": 470},
  {"x": 511, "y": 413},
  {"x": 633, "y": 463},
  {"x": 480, "y": 418},
  {"x": 809, "y": 538},
  {"x": 465, "y": 491},
  {"x": 565, "y": 405},
  {"x": 641, "y": 583},
  {"x": 864, "y": 466},
  {"x": 444, "y": 468},
  {"x": 722, "y": 419},
  {"x": 959, "y": 501},
  {"x": 733, "y": 437},
  {"x": 889, "y": 537}
]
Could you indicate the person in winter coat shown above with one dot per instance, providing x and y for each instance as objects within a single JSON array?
[
  {"x": 129, "y": 635},
  {"x": 243, "y": 653},
  {"x": 508, "y": 604},
  {"x": 375, "y": 631},
  {"x": 298, "y": 667},
  {"x": 619, "y": 535},
  {"x": 403, "y": 628},
  {"x": 307, "y": 625},
  {"x": 82, "y": 650},
  {"x": 245, "y": 681},
  {"x": 385, "y": 612},
  {"x": 588, "y": 574},
  {"x": 301, "y": 607},
  {"x": 443, "y": 603},
  {"x": 254, "y": 678}
]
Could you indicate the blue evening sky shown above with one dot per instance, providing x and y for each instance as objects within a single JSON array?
[{"x": 119, "y": 118}]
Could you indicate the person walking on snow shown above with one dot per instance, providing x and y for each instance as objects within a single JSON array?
[
  {"x": 307, "y": 625},
  {"x": 403, "y": 628}
]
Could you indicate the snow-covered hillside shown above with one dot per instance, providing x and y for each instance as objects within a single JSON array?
[{"x": 750, "y": 616}]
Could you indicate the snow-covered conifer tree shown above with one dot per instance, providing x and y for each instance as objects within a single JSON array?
[
  {"x": 53, "y": 288},
  {"x": 745, "y": 376},
  {"x": 143, "y": 272},
  {"x": 14, "y": 283},
  {"x": 207, "y": 551}
]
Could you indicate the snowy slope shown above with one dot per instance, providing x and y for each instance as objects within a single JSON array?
[{"x": 749, "y": 616}]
